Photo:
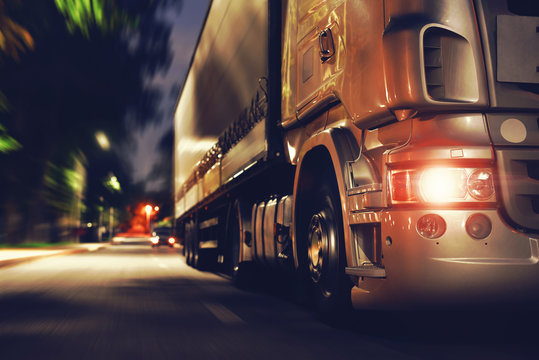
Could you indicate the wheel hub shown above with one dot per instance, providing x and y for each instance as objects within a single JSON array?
[{"x": 317, "y": 243}]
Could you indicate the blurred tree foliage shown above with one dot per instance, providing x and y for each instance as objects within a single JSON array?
[
  {"x": 7, "y": 143},
  {"x": 85, "y": 15},
  {"x": 161, "y": 175},
  {"x": 14, "y": 38},
  {"x": 68, "y": 69}
]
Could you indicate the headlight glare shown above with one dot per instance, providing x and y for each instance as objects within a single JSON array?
[{"x": 443, "y": 184}]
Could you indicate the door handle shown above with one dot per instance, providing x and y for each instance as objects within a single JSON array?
[{"x": 327, "y": 47}]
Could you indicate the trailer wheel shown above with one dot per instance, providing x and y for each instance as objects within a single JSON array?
[
  {"x": 187, "y": 245},
  {"x": 195, "y": 259},
  {"x": 326, "y": 257},
  {"x": 191, "y": 256},
  {"x": 240, "y": 271}
]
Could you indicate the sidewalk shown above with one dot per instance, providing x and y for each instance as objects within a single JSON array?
[{"x": 10, "y": 257}]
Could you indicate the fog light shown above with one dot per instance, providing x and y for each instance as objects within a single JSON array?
[
  {"x": 431, "y": 226},
  {"x": 478, "y": 226}
]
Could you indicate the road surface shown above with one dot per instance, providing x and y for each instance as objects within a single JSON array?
[{"x": 135, "y": 302}]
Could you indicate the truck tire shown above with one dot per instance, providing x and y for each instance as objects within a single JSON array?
[
  {"x": 326, "y": 255},
  {"x": 188, "y": 245},
  {"x": 191, "y": 256},
  {"x": 195, "y": 259}
]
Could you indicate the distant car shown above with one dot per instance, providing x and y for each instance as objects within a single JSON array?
[
  {"x": 162, "y": 236},
  {"x": 130, "y": 238}
]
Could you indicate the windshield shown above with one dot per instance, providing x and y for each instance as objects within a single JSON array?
[{"x": 162, "y": 231}]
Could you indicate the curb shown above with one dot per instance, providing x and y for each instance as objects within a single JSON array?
[{"x": 20, "y": 260}]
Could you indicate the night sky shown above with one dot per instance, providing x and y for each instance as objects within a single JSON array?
[{"x": 187, "y": 26}]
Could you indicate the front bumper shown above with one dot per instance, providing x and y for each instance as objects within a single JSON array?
[{"x": 454, "y": 269}]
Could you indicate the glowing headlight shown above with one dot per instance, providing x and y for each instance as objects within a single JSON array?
[
  {"x": 154, "y": 240},
  {"x": 441, "y": 185},
  {"x": 171, "y": 240}
]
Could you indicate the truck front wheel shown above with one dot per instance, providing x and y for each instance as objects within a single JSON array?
[{"x": 325, "y": 253}]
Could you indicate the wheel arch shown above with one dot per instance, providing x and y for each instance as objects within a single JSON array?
[{"x": 324, "y": 154}]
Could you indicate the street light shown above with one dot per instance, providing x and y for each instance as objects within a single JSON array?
[{"x": 102, "y": 140}]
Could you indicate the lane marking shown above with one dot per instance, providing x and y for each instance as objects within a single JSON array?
[{"x": 223, "y": 314}]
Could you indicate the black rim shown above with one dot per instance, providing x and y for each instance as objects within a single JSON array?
[{"x": 323, "y": 247}]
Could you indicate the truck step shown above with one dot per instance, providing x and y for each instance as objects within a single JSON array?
[{"x": 371, "y": 271}]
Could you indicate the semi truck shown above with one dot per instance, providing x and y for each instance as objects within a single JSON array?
[{"x": 383, "y": 153}]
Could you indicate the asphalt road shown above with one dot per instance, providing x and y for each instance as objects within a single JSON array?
[{"x": 135, "y": 302}]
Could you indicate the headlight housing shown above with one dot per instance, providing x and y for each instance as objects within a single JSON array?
[
  {"x": 442, "y": 185},
  {"x": 480, "y": 184}
]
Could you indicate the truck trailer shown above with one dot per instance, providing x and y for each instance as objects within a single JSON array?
[{"x": 378, "y": 152}]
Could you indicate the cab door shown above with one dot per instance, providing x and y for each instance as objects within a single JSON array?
[{"x": 320, "y": 54}]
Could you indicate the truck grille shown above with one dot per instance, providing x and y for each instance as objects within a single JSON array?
[{"x": 517, "y": 154}]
